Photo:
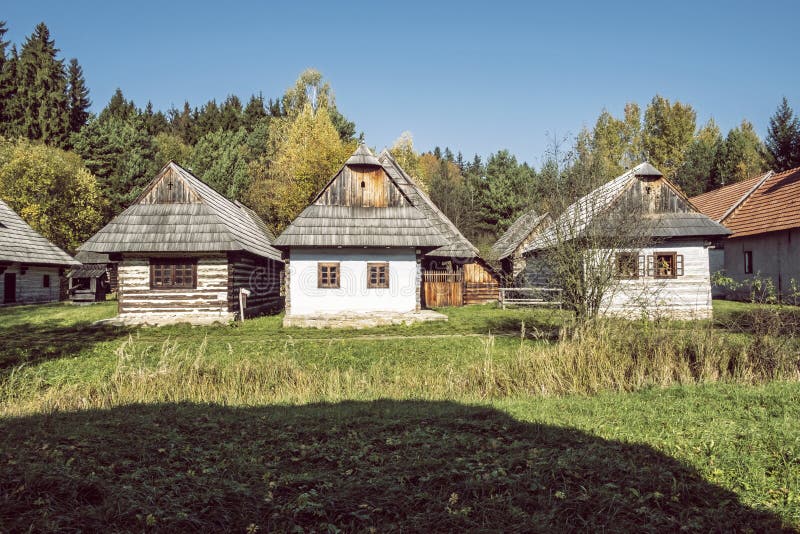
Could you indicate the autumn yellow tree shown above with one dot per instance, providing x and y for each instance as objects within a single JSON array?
[
  {"x": 306, "y": 151},
  {"x": 51, "y": 190}
]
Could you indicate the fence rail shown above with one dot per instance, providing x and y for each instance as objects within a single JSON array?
[{"x": 530, "y": 296}]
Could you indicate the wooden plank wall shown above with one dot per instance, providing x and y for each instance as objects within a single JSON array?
[
  {"x": 209, "y": 297},
  {"x": 654, "y": 196},
  {"x": 162, "y": 193},
  {"x": 480, "y": 284},
  {"x": 378, "y": 190},
  {"x": 30, "y": 288},
  {"x": 262, "y": 277}
]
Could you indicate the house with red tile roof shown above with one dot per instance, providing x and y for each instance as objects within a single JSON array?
[{"x": 763, "y": 214}]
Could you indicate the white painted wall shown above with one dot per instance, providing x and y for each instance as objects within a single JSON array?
[
  {"x": 30, "y": 288},
  {"x": 683, "y": 297},
  {"x": 352, "y": 296}
]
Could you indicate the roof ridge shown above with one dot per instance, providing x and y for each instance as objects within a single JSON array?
[{"x": 767, "y": 175}]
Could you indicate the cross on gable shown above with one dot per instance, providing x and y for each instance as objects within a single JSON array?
[{"x": 169, "y": 185}]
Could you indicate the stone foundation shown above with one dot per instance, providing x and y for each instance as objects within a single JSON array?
[
  {"x": 130, "y": 319},
  {"x": 362, "y": 320}
]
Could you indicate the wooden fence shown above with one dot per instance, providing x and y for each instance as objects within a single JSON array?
[{"x": 530, "y": 296}]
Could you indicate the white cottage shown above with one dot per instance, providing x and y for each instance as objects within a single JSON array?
[
  {"x": 663, "y": 271},
  {"x": 353, "y": 257},
  {"x": 31, "y": 266}
]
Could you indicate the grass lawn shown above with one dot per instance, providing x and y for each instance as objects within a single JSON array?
[{"x": 258, "y": 428}]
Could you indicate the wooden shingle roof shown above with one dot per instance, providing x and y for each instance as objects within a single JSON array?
[
  {"x": 456, "y": 245},
  {"x": 21, "y": 243},
  {"x": 201, "y": 220},
  {"x": 519, "y": 230},
  {"x": 346, "y": 215},
  {"x": 588, "y": 210}
]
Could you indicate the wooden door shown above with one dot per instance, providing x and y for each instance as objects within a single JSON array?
[
  {"x": 9, "y": 288},
  {"x": 442, "y": 289}
]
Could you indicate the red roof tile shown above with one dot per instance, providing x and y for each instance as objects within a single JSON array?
[
  {"x": 774, "y": 206},
  {"x": 715, "y": 204}
]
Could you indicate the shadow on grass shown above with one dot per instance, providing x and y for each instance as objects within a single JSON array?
[
  {"x": 355, "y": 466},
  {"x": 50, "y": 340}
]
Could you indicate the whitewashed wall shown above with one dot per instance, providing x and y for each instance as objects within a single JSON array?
[
  {"x": 352, "y": 296},
  {"x": 30, "y": 288},
  {"x": 683, "y": 297},
  {"x": 209, "y": 298}
]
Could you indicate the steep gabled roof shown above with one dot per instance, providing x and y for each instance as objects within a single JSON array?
[
  {"x": 21, "y": 243},
  {"x": 208, "y": 223},
  {"x": 518, "y": 232},
  {"x": 586, "y": 211},
  {"x": 457, "y": 246},
  {"x": 720, "y": 203},
  {"x": 774, "y": 205},
  {"x": 338, "y": 217}
]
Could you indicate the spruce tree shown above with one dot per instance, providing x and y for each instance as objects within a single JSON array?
[
  {"x": 78, "y": 97},
  {"x": 253, "y": 112},
  {"x": 11, "y": 119},
  {"x": 783, "y": 138},
  {"x": 43, "y": 89}
]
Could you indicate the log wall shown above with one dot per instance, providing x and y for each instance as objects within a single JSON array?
[
  {"x": 210, "y": 297},
  {"x": 480, "y": 284},
  {"x": 262, "y": 277}
]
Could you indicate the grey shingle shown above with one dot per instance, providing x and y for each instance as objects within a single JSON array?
[
  {"x": 21, "y": 243},
  {"x": 215, "y": 224},
  {"x": 517, "y": 233}
]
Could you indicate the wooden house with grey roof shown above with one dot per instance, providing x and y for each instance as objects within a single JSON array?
[
  {"x": 357, "y": 249},
  {"x": 30, "y": 265},
  {"x": 664, "y": 273},
  {"x": 186, "y": 253}
]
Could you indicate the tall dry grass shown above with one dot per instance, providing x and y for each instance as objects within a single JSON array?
[{"x": 603, "y": 357}]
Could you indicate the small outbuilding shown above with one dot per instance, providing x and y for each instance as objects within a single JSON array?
[
  {"x": 642, "y": 231},
  {"x": 185, "y": 253},
  {"x": 88, "y": 283},
  {"x": 31, "y": 266}
]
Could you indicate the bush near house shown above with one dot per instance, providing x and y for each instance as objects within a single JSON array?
[{"x": 485, "y": 422}]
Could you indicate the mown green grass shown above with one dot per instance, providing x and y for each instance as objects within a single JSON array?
[{"x": 479, "y": 423}]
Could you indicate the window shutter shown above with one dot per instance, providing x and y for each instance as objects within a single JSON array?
[
  {"x": 679, "y": 265},
  {"x": 651, "y": 263},
  {"x": 642, "y": 265}
]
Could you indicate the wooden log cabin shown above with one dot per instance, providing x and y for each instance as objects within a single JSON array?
[
  {"x": 31, "y": 267},
  {"x": 663, "y": 272},
  {"x": 453, "y": 274},
  {"x": 185, "y": 253}
]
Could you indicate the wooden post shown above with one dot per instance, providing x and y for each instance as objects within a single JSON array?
[{"x": 242, "y": 302}]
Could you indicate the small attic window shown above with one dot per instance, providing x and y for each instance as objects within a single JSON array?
[{"x": 363, "y": 184}]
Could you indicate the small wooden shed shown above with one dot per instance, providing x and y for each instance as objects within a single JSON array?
[
  {"x": 186, "y": 253},
  {"x": 31, "y": 266},
  {"x": 88, "y": 283}
]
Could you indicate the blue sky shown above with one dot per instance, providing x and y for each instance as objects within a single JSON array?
[{"x": 476, "y": 76}]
